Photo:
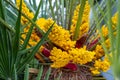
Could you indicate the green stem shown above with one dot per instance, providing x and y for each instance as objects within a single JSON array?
[
  {"x": 102, "y": 40},
  {"x": 6, "y": 25},
  {"x": 109, "y": 15},
  {"x": 81, "y": 10},
  {"x": 52, "y": 10},
  {"x": 71, "y": 2},
  {"x": 63, "y": 23}
]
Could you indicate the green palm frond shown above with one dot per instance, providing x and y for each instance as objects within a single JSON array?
[
  {"x": 114, "y": 39},
  {"x": 11, "y": 61}
]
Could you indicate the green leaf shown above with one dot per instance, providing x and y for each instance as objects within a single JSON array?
[
  {"x": 30, "y": 6},
  {"x": 31, "y": 55},
  {"x": 46, "y": 5},
  {"x": 63, "y": 12},
  {"x": 109, "y": 24},
  {"x": 116, "y": 55},
  {"x": 31, "y": 28},
  {"x": 17, "y": 33},
  {"x": 102, "y": 40},
  {"x": 33, "y": 23},
  {"x": 2, "y": 14},
  {"x": 11, "y": 12},
  {"x": 68, "y": 17},
  {"x": 48, "y": 74},
  {"x": 26, "y": 76},
  {"x": 34, "y": 4},
  {"x": 2, "y": 58},
  {"x": 3, "y": 43},
  {"x": 52, "y": 10},
  {"x": 81, "y": 10},
  {"x": 21, "y": 52},
  {"x": 40, "y": 73},
  {"x": 6, "y": 25},
  {"x": 10, "y": 51},
  {"x": 15, "y": 72},
  {"x": 118, "y": 33}
]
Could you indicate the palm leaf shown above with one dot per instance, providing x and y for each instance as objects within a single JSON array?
[
  {"x": 40, "y": 73},
  {"x": 17, "y": 34},
  {"x": 11, "y": 61},
  {"x": 31, "y": 28},
  {"x": 81, "y": 10},
  {"x": 3, "y": 44},
  {"x": 26, "y": 76},
  {"x": 48, "y": 74},
  {"x": 98, "y": 27},
  {"x": 31, "y": 55},
  {"x": 31, "y": 21}
]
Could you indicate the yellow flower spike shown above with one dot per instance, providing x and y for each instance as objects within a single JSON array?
[
  {"x": 114, "y": 19},
  {"x": 105, "y": 28},
  {"x": 107, "y": 42},
  {"x": 102, "y": 65},
  {"x": 85, "y": 20},
  {"x": 60, "y": 58},
  {"x": 104, "y": 31},
  {"x": 41, "y": 22},
  {"x": 33, "y": 39},
  {"x": 94, "y": 71},
  {"x": 106, "y": 66},
  {"x": 81, "y": 56},
  {"x": 99, "y": 52},
  {"x": 59, "y": 36},
  {"x": 25, "y": 10}
]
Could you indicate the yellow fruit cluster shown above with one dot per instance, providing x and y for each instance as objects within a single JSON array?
[
  {"x": 60, "y": 58},
  {"x": 104, "y": 31},
  {"x": 100, "y": 65},
  {"x": 34, "y": 38},
  {"x": 62, "y": 38},
  {"x": 25, "y": 10},
  {"x": 99, "y": 52},
  {"x": 84, "y": 27},
  {"x": 81, "y": 56},
  {"x": 41, "y": 23},
  {"x": 59, "y": 36}
]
